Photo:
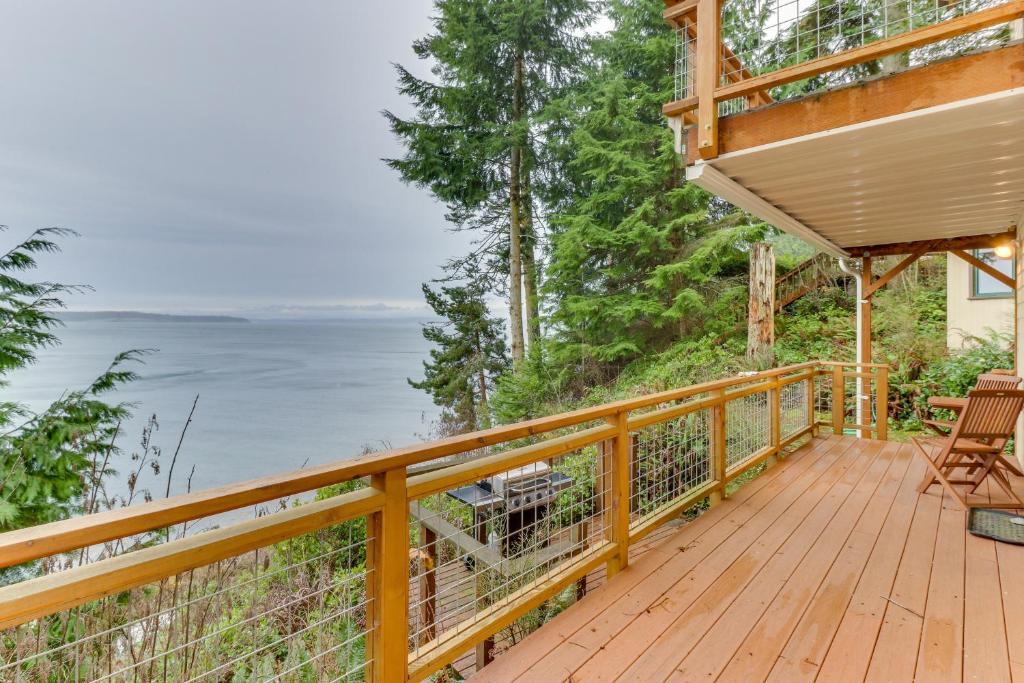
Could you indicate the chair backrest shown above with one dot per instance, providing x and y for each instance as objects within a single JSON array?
[
  {"x": 990, "y": 414},
  {"x": 997, "y": 380}
]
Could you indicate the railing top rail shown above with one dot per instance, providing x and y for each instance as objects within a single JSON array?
[{"x": 45, "y": 540}]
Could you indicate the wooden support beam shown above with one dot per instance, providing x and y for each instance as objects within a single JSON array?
[
  {"x": 968, "y": 23},
  {"x": 718, "y": 445},
  {"x": 985, "y": 267},
  {"x": 869, "y": 290},
  {"x": 707, "y": 72},
  {"x": 951, "y": 80},
  {"x": 986, "y": 241}
]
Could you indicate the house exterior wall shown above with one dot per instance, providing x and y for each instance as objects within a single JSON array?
[{"x": 972, "y": 316}]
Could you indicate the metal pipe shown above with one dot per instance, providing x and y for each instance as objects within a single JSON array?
[{"x": 859, "y": 280}]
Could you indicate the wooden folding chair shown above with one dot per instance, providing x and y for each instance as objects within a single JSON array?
[
  {"x": 997, "y": 379},
  {"x": 975, "y": 443}
]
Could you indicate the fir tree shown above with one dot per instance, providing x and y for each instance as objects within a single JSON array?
[
  {"x": 469, "y": 354},
  {"x": 639, "y": 257},
  {"x": 473, "y": 140},
  {"x": 48, "y": 459}
]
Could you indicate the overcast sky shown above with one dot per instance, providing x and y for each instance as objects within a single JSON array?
[{"x": 216, "y": 155}]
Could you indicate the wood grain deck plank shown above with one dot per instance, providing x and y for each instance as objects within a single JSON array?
[
  {"x": 677, "y": 553},
  {"x": 804, "y": 616},
  {"x": 810, "y": 549},
  {"x": 894, "y": 656},
  {"x": 763, "y": 617},
  {"x": 681, "y": 612},
  {"x": 986, "y": 657},
  {"x": 847, "y": 610},
  {"x": 942, "y": 635}
]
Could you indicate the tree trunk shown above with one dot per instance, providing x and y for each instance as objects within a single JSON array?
[
  {"x": 895, "y": 22},
  {"x": 761, "y": 311},
  {"x": 515, "y": 258},
  {"x": 531, "y": 269},
  {"x": 483, "y": 414}
]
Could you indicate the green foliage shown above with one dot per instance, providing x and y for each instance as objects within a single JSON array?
[
  {"x": 639, "y": 258},
  {"x": 955, "y": 374},
  {"x": 469, "y": 352},
  {"x": 48, "y": 460}
]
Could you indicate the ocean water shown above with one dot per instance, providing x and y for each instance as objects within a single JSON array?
[{"x": 273, "y": 396}]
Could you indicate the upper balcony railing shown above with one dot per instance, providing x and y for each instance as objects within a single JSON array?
[
  {"x": 423, "y": 559},
  {"x": 741, "y": 54}
]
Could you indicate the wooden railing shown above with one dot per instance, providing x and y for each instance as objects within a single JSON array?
[
  {"x": 709, "y": 74},
  {"x": 367, "y": 584}
]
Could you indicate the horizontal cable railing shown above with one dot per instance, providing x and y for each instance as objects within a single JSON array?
[{"x": 423, "y": 559}]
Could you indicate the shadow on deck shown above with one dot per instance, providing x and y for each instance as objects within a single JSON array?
[{"x": 829, "y": 567}]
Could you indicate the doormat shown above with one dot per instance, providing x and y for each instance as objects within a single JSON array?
[{"x": 999, "y": 525}]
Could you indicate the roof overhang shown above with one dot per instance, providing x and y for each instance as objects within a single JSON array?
[{"x": 935, "y": 173}]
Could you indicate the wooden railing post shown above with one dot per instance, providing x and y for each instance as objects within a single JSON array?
[
  {"x": 774, "y": 421},
  {"x": 882, "y": 403},
  {"x": 388, "y": 574},
  {"x": 619, "y": 485},
  {"x": 708, "y": 73},
  {"x": 428, "y": 586},
  {"x": 718, "y": 443},
  {"x": 812, "y": 417},
  {"x": 838, "y": 399}
]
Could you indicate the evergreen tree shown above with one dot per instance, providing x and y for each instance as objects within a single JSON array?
[
  {"x": 473, "y": 140},
  {"x": 48, "y": 460},
  {"x": 469, "y": 354},
  {"x": 639, "y": 257}
]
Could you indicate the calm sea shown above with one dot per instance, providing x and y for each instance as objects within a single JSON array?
[{"x": 272, "y": 395}]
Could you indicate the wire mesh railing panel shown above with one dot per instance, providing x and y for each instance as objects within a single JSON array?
[
  {"x": 475, "y": 546},
  {"x": 295, "y": 611},
  {"x": 768, "y": 35},
  {"x": 746, "y": 427},
  {"x": 793, "y": 408},
  {"x": 823, "y": 398},
  {"x": 685, "y": 59},
  {"x": 668, "y": 460}
]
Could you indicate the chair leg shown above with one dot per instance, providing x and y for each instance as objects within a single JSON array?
[
  {"x": 938, "y": 475},
  {"x": 1013, "y": 468}
]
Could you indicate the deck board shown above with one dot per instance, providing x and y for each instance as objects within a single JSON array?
[{"x": 828, "y": 567}]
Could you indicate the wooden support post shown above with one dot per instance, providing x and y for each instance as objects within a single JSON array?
[
  {"x": 389, "y": 631},
  {"x": 620, "y": 486},
  {"x": 718, "y": 446},
  {"x": 761, "y": 307},
  {"x": 708, "y": 72},
  {"x": 428, "y": 586},
  {"x": 485, "y": 648},
  {"x": 864, "y": 398},
  {"x": 372, "y": 670},
  {"x": 838, "y": 399},
  {"x": 882, "y": 403},
  {"x": 812, "y": 417},
  {"x": 774, "y": 422}
]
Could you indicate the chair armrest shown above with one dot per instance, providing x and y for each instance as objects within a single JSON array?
[{"x": 947, "y": 402}]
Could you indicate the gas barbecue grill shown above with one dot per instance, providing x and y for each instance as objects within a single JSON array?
[{"x": 523, "y": 494}]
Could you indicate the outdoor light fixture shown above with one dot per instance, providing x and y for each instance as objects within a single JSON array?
[{"x": 1004, "y": 250}]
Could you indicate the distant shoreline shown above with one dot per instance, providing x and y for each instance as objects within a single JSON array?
[{"x": 138, "y": 316}]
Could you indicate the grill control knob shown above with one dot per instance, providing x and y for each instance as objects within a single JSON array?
[
  {"x": 515, "y": 502},
  {"x": 527, "y": 500}
]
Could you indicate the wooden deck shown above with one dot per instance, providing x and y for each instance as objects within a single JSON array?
[{"x": 829, "y": 567}]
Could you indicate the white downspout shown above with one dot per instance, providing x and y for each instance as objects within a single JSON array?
[{"x": 857, "y": 278}]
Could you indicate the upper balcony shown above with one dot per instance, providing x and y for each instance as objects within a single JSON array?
[{"x": 856, "y": 124}]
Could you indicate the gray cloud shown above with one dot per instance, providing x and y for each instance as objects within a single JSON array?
[{"x": 215, "y": 155}]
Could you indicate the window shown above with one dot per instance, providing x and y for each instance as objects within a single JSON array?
[{"x": 983, "y": 285}]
